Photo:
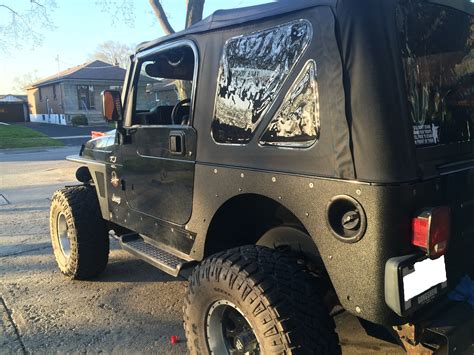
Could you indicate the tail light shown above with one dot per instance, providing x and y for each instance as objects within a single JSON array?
[{"x": 431, "y": 230}]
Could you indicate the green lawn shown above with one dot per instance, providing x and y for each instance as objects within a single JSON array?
[{"x": 22, "y": 137}]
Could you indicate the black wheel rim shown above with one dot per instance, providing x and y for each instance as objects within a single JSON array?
[{"x": 229, "y": 332}]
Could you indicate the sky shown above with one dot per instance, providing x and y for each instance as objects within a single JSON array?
[{"x": 80, "y": 25}]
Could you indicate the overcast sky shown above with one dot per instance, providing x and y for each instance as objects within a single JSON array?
[{"x": 81, "y": 25}]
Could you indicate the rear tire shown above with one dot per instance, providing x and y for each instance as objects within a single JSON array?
[
  {"x": 271, "y": 298},
  {"x": 78, "y": 232}
]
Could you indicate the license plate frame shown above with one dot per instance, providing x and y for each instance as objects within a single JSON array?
[{"x": 406, "y": 287}]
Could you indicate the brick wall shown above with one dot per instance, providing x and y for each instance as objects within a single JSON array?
[{"x": 39, "y": 104}]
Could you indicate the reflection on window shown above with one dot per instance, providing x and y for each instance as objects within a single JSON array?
[
  {"x": 252, "y": 70},
  {"x": 438, "y": 52},
  {"x": 85, "y": 97},
  {"x": 297, "y": 124},
  {"x": 163, "y": 88}
]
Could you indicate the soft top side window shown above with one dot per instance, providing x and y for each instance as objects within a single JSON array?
[
  {"x": 252, "y": 71},
  {"x": 163, "y": 87}
]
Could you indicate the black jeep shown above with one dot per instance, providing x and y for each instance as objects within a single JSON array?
[{"x": 293, "y": 159}]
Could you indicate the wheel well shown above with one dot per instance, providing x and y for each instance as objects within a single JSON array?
[{"x": 245, "y": 219}]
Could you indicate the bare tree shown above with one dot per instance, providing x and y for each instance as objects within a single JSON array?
[
  {"x": 194, "y": 9},
  {"x": 25, "y": 80},
  {"x": 22, "y": 25},
  {"x": 113, "y": 52},
  {"x": 124, "y": 10}
]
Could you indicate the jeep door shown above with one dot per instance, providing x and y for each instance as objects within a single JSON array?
[{"x": 158, "y": 152}]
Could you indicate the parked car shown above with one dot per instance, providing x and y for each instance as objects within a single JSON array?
[{"x": 292, "y": 159}]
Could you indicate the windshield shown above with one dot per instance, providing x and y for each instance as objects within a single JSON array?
[{"x": 438, "y": 58}]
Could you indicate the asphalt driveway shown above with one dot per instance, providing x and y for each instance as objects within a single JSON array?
[{"x": 69, "y": 135}]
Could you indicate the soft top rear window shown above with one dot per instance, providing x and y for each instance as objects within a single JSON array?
[{"x": 438, "y": 58}]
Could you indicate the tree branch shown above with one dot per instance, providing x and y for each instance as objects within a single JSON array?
[
  {"x": 194, "y": 9},
  {"x": 10, "y": 9},
  {"x": 161, "y": 16}
]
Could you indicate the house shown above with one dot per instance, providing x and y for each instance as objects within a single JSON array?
[
  {"x": 75, "y": 91},
  {"x": 13, "y": 108}
]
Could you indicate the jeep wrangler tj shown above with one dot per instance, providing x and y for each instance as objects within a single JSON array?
[{"x": 293, "y": 159}]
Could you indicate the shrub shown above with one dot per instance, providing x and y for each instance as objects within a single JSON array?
[{"x": 79, "y": 120}]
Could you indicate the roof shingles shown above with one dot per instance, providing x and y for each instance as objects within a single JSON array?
[{"x": 94, "y": 70}]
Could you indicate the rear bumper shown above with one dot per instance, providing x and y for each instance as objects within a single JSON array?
[{"x": 448, "y": 328}]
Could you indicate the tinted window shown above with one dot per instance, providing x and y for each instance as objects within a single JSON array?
[
  {"x": 252, "y": 70},
  {"x": 163, "y": 87},
  {"x": 296, "y": 123},
  {"x": 438, "y": 57}
]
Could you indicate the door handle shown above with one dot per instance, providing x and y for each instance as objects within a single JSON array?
[{"x": 177, "y": 143}]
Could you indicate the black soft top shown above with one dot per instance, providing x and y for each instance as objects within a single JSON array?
[
  {"x": 373, "y": 115},
  {"x": 232, "y": 17},
  {"x": 226, "y": 18}
]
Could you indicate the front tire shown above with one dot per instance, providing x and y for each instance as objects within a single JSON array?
[
  {"x": 255, "y": 300},
  {"x": 78, "y": 232}
]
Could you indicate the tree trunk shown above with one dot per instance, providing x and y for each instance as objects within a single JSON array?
[
  {"x": 161, "y": 16},
  {"x": 194, "y": 9}
]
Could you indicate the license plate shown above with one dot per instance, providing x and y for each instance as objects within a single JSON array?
[{"x": 422, "y": 276}]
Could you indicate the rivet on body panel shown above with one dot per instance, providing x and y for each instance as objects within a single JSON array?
[
  {"x": 358, "y": 192},
  {"x": 240, "y": 190},
  {"x": 307, "y": 214},
  {"x": 242, "y": 175},
  {"x": 217, "y": 195},
  {"x": 274, "y": 179},
  {"x": 358, "y": 310},
  {"x": 215, "y": 171},
  {"x": 311, "y": 185},
  {"x": 172, "y": 230},
  {"x": 330, "y": 257},
  {"x": 279, "y": 197},
  {"x": 190, "y": 153}
]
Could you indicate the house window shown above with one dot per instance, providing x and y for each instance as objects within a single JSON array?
[
  {"x": 85, "y": 97},
  {"x": 40, "y": 95},
  {"x": 54, "y": 92}
]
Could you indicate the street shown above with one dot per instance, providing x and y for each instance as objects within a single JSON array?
[
  {"x": 131, "y": 307},
  {"x": 69, "y": 135}
]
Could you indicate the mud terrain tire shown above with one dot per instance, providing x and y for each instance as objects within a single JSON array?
[
  {"x": 83, "y": 250},
  {"x": 274, "y": 294}
]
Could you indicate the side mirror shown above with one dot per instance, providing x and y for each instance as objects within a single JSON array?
[{"x": 111, "y": 105}]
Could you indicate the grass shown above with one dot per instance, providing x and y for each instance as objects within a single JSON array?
[{"x": 22, "y": 137}]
